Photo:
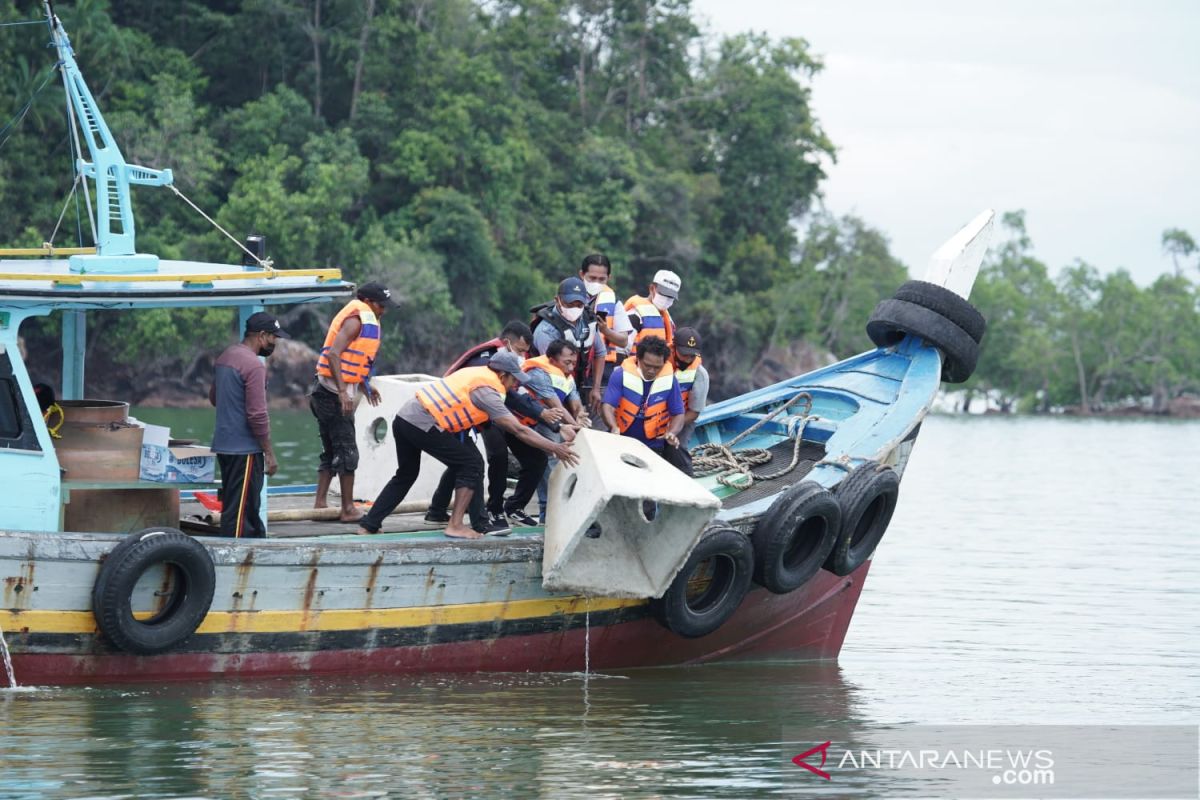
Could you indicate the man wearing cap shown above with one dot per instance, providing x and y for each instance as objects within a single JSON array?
[
  {"x": 693, "y": 385},
  {"x": 429, "y": 423},
  {"x": 648, "y": 314},
  {"x": 343, "y": 377},
  {"x": 570, "y": 317},
  {"x": 242, "y": 436}
]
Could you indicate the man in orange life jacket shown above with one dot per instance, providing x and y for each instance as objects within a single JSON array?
[
  {"x": 242, "y": 436},
  {"x": 649, "y": 315},
  {"x": 570, "y": 317},
  {"x": 693, "y": 384},
  {"x": 552, "y": 381},
  {"x": 343, "y": 377},
  {"x": 643, "y": 401},
  {"x": 514, "y": 338},
  {"x": 429, "y": 423}
]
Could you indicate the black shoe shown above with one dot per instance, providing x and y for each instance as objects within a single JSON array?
[
  {"x": 520, "y": 519},
  {"x": 433, "y": 515},
  {"x": 497, "y": 526}
]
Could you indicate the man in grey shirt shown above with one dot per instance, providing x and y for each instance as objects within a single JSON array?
[
  {"x": 430, "y": 422},
  {"x": 242, "y": 437}
]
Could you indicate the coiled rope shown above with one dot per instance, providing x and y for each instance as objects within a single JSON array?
[{"x": 736, "y": 469}]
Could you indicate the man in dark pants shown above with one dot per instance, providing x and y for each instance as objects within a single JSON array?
[
  {"x": 428, "y": 423},
  {"x": 515, "y": 338},
  {"x": 242, "y": 437}
]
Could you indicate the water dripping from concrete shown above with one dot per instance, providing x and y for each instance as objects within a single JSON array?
[{"x": 8, "y": 667}]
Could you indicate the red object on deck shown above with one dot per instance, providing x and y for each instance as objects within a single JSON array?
[{"x": 208, "y": 500}]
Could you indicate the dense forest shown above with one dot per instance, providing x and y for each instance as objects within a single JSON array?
[{"x": 469, "y": 154}]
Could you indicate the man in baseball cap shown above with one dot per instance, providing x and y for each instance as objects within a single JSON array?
[
  {"x": 262, "y": 322},
  {"x": 377, "y": 292},
  {"x": 666, "y": 283},
  {"x": 344, "y": 368},
  {"x": 242, "y": 433},
  {"x": 693, "y": 384},
  {"x": 432, "y": 421},
  {"x": 569, "y": 318},
  {"x": 649, "y": 315}
]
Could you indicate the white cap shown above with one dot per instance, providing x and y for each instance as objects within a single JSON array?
[{"x": 667, "y": 283}]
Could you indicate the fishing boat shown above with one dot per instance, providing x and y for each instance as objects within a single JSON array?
[{"x": 105, "y": 580}]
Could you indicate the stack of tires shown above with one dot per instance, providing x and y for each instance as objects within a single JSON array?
[
  {"x": 937, "y": 315},
  {"x": 809, "y": 527}
]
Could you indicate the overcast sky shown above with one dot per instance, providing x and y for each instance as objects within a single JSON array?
[{"x": 1085, "y": 113}]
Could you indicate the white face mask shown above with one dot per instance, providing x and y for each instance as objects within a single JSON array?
[
  {"x": 661, "y": 302},
  {"x": 593, "y": 289},
  {"x": 571, "y": 314}
]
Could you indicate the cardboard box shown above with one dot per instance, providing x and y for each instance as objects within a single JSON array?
[{"x": 180, "y": 464}]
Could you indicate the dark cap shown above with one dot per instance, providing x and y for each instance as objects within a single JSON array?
[
  {"x": 572, "y": 290},
  {"x": 687, "y": 341},
  {"x": 374, "y": 290},
  {"x": 507, "y": 361},
  {"x": 262, "y": 322}
]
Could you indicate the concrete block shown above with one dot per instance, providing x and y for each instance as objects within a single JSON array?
[
  {"x": 377, "y": 447},
  {"x": 650, "y": 516}
]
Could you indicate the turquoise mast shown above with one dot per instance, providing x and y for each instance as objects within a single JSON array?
[{"x": 115, "y": 278}]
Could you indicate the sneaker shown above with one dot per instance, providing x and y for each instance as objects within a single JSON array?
[
  {"x": 498, "y": 526},
  {"x": 434, "y": 515},
  {"x": 520, "y": 519}
]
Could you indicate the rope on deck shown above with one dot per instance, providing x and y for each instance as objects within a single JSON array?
[{"x": 736, "y": 469}]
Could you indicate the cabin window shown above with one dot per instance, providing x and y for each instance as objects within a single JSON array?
[
  {"x": 16, "y": 427},
  {"x": 10, "y": 410}
]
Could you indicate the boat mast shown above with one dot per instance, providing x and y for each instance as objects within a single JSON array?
[{"x": 115, "y": 228}]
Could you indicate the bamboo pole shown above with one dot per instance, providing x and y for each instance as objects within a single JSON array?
[{"x": 322, "y": 514}]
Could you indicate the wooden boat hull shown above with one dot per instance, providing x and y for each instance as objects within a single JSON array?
[{"x": 515, "y": 627}]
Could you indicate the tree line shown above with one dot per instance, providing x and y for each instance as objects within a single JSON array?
[{"x": 469, "y": 154}]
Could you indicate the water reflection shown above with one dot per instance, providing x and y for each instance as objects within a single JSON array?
[{"x": 715, "y": 731}]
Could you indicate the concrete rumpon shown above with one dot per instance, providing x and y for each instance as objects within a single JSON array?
[{"x": 648, "y": 515}]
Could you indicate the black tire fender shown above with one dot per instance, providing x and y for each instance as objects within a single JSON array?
[
  {"x": 944, "y": 302},
  {"x": 892, "y": 320},
  {"x": 795, "y": 536},
  {"x": 710, "y": 586},
  {"x": 195, "y": 580},
  {"x": 868, "y": 498}
]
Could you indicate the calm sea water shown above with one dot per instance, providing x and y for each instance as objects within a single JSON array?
[{"x": 1037, "y": 571}]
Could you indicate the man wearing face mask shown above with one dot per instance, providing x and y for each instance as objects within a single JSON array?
[
  {"x": 611, "y": 318},
  {"x": 570, "y": 317},
  {"x": 649, "y": 315},
  {"x": 242, "y": 436}
]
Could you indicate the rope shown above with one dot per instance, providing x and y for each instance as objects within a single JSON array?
[
  {"x": 265, "y": 263},
  {"x": 736, "y": 469},
  {"x": 50, "y": 411},
  {"x": 50, "y": 242},
  {"x": 11, "y": 125},
  {"x": 23, "y": 22}
]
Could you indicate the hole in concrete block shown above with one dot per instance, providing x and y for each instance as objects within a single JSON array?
[
  {"x": 649, "y": 510},
  {"x": 379, "y": 429},
  {"x": 634, "y": 461},
  {"x": 571, "y": 481}
]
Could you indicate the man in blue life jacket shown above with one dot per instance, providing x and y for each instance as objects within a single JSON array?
[{"x": 643, "y": 401}]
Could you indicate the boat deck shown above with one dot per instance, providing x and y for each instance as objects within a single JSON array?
[{"x": 195, "y": 518}]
